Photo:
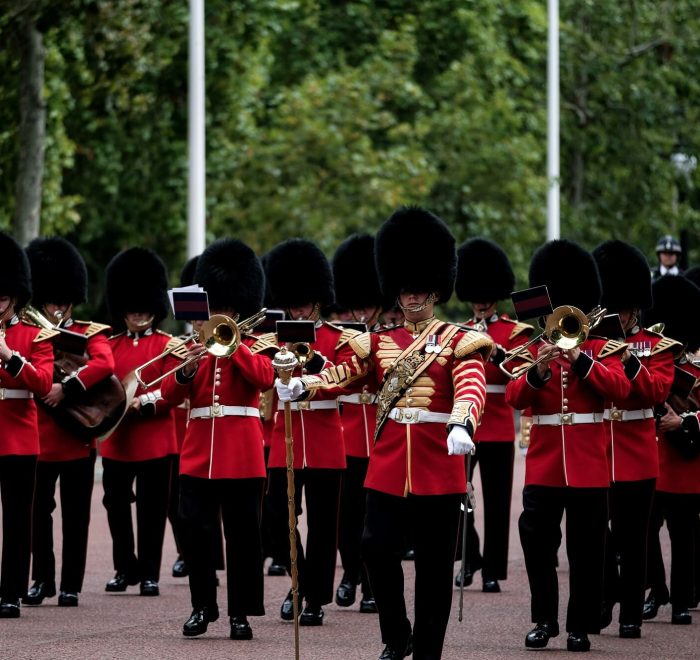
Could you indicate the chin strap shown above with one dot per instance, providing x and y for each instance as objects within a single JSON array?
[{"x": 413, "y": 309}]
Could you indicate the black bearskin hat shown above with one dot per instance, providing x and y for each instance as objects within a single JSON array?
[
  {"x": 569, "y": 272},
  {"x": 136, "y": 281},
  {"x": 484, "y": 273},
  {"x": 354, "y": 273},
  {"x": 267, "y": 299},
  {"x": 232, "y": 275},
  {"x": 693, "y": 274},
  {"x": 624, "y": 275},
  {"x": 676, "y": 299},
  {"x": 299, "y": 273},
  {"x": 187, "y": 272},
  {"x": 15, "y": 278},
  {"x": 415, "y": 251},
  {"x": 59, "y": 274}
]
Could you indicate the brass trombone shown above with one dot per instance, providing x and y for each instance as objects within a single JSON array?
[
  {"x": 220, "y": 336},
  {"x": 567, "y": 327}
]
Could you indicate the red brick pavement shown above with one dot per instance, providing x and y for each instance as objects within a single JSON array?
[{"x": 116, "y": 626}]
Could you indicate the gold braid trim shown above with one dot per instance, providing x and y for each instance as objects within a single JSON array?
[
  {"x": 265, "y": 342},
  {"x": 180, "y": 348},
  {"x": 612, "y": 347},
  {"x": 519, "y": 329},
  {"x": 336, "y": 376},
  {"x": 345, "y": 336},
  {"x": 474, "y": 342},
  {"x": 361, "y": 344},
  {"x": 96, "y": 328},
  {"x": 463, "y": 412},
  {"x": 668, "y": 344},
  {"x": 45, "y": 334}
]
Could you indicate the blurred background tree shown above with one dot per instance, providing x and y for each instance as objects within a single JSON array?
[{"x": 324, "y": 116}]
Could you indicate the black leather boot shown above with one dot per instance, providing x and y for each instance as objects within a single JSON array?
[
  {"x": 345, "y": 593},
  {"x": 199, "y": 620},
  {"x": 578, "y": 642},
  {"x": 38, "y": 591},
  {"x": 540, "y": 635},
  {"x": 240, "y": 628}
]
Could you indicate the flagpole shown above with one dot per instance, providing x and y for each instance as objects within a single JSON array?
[
  {"x": 196, "y": 180},
  {"x": 553, "y": 229}
]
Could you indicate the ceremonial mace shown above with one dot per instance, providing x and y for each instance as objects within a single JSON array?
[
  {"x": 468, "y": 506},
  {"x": 284, "y": 362}
]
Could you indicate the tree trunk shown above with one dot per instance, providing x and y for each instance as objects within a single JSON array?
[{"x": 30, "y": 171}]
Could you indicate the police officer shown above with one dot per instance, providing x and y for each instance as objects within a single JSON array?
[{"x": 668, "y": 254}]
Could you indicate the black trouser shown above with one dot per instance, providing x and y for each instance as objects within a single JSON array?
[
  {"x": 17, "y": 475},
  {"x": 495, "y": 460},
  {"x": 681, "y": 511},
  {"x": 77, "y": 479},
  {"x": 316, "y": 566},
  {"x": 630, "y": 510},
  {"x": 275, "y": 528},
  {"x": 434, "y": 520},
  {"x": 238, "y": 502},
  {"x": 540, "y": 535},
  {"x": 353, "y": 497},
  {"x": 174, "y": 501},
  {"x": 656, "y": 573},
  {"x": 152, "y": 490}
]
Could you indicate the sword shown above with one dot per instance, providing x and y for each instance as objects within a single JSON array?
[{"x": 467, "y": 506}]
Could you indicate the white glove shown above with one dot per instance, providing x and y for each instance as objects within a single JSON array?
[
  {"x": 291, "y": 391},
  {"x": 459, "y": 442}
]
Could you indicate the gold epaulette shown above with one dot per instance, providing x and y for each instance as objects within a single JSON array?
[
  {"x": 44, "y": 334},
  {"x": 612, "y": 347},
  {"x": 119, "y": 334},
  {"x": 265, "y": 342},
  {"x": 666, "y": 344},
  {"x": 474, "y": 342},
  {"x": 96, "y": 329},
  {"x": 519, "y": 329},
  {"x": 178, "y": 347},
  {"x": 345, "y": 336},
  {"x": 161, "y": 332},
  {"x": 361, "y": 344}
]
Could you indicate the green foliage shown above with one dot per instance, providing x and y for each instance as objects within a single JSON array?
[{"x": 324, "y": 116}]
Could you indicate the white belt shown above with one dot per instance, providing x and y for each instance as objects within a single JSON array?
[
  {"x": 417, "y": 416},
  {"x": 564, "y": 419},
  {"x": 310, "y": 405},
  {"x": 627, "y": 415},
  {"x": 15, "y": 394},
  {"x": 495, "y": 389},
  {"x": 218, "y": 410},
  {"x": 360, "y": 398}
]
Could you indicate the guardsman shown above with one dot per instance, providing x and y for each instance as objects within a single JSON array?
[
  {"x": 140, "y": 449},
  {"x": 357, "y": 290},
  {"x": 301, "y": 282},
  {"x": 566, "y": 467},
  {"x": 59, "y": 282},
  {"x": 26, "y": 370},
  {"x": 678, "y": 485},
  {"x": 222, "y": 463},
  {"x": 484, "y": 277},
  {"x": 632, "y": 453},
  {"x": 431, "y": 392}
]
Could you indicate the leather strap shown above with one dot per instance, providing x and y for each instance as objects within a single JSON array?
[
  {"x": 218, "y": 410},
  {"x": 309, "y": 405},
  {"x": 565, "y": 419},
  {"x": 15, "y": 394},
  {"x": 617, "y": 415},
  {"x": 417, "y": 416}
]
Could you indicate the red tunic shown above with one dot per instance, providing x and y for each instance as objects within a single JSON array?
[
  {"x": 359, "y": 419},
  {"x": 57, "y": 444},
  {"x": 318, "y": 434},
  {"x": 231, "y": 446},
  {"x": 413, "y": 458},
  {"x": 571, "y": 454},
  {"x": 497, "y": 423},
  {"x": 678, "y": 474},
  {"x": 19, "y": 434},
  {"x": 632, "y": 450},
  {"x": 139, "y": 438}
]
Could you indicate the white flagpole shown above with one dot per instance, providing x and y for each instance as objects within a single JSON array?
[
  {"x": 196, "y": 180},
  {"x": 553, "y": 121}
]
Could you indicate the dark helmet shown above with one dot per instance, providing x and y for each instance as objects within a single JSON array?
[
  {"x": 415, "y": 251},
  {"x": 569, "y": 272},
  {"x": 232, "y": 275},
  {"x": 59, "y": 274},
  {"x": 15, "y": 278},
  {"x": 668, "y": 243},
  {"x": 484, "y": 273}
]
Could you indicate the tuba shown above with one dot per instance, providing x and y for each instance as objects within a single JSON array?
[
  {"x": 94, "y": 412},
  {"x": 567, "y": 327}
]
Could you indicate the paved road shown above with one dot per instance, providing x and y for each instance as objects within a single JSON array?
[{"x": 115, "y": 626}]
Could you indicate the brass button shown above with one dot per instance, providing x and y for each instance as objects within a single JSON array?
[
  {"x": 409, "y": 402},
  {"x": 565, "y": 401},
  {"x": 409, "y": 390},
  {"x": 303, "y": 405},
  {"x": 565, "y": 409},
  {"x": 566, "y": 419},
  {"x": 216, "y": 397},
  {"x": 409, "y": 415}
]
